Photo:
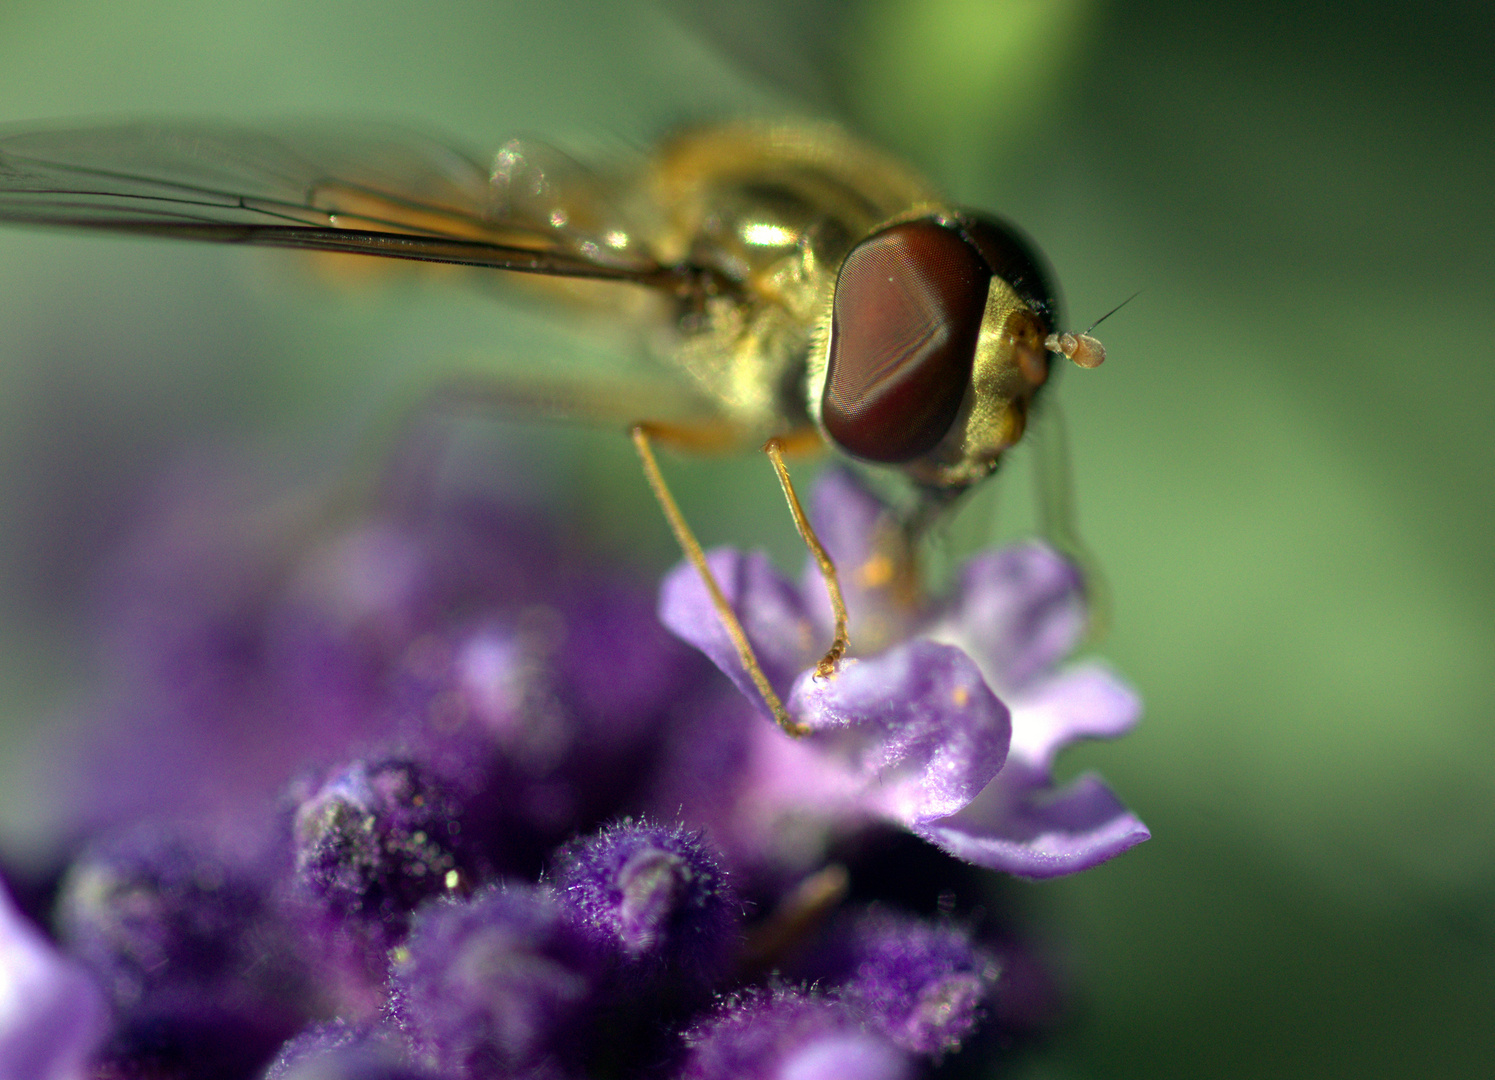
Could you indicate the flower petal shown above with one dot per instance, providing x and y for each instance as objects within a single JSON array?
[
  {"x": 767, "y": 604},
  {"x": 917, "y": 723},
  {"x": 853, "y": 527},
  {"x": 1018, "y": 611},
  {"x": 846, "y": 517},
  {"x": 1086, "y": 701},
  {"x": 1031, "y": 830},
  {"x": 51, "y": 1014}
]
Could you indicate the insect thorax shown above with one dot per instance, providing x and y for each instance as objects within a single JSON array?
[{"x": 774, "y": 209}]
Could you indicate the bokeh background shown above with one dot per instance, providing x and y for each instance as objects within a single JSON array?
[{"x": 1285, "y": 468}]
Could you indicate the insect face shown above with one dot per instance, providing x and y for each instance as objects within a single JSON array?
[{"x": 936, "y": 348}]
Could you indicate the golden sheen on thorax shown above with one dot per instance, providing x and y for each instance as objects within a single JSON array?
[{"x": 792, "y": 285}]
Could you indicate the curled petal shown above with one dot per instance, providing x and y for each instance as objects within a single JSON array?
[
  {"x": 767, "y": 605},
  {"x": 917, "y": 723},
  {"x": 1034, "y": 831},
  {"x": 1087, "y": 701},
  {"x": 52, "y": 1015}
]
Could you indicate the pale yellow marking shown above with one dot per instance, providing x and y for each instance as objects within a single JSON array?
[{"x": 876, "y": 572}]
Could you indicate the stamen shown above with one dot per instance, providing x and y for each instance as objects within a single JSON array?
[{"x": 797, "y": 916}]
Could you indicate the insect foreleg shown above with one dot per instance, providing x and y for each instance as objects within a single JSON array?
[
  {"x": 692, "y": 548},
  {"x": 774, "y": 448}
]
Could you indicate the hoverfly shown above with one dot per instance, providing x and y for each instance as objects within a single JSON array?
[{"x": 796, "y": 285}]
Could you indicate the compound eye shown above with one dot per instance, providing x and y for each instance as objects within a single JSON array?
[
  {"x": 1015, "y": 260},
  {"x": 904, "y": 324}
]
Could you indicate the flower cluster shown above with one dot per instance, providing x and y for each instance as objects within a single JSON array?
[{"x": 445, "y": 803}]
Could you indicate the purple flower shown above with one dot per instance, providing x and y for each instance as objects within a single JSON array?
[
  {"x": 524, "y": 831},
  {"x": 789, "y": 1035},
  {"x": 657, "y": 898},
  {"x": 502, "y": 984},
  {"x": 238, "y": 659},
  {"x": 950, "y": 730},
  {"x": 923, "y": 985},
  {"x": 180, "y": 931},
  {"x": 376, "y": 840},
  {"x": 367, "y": 846},
  {"x": 52, "y": 1016},
  {"x": 339, "y": 1051},
  {"x": 1019, "y": 613}
]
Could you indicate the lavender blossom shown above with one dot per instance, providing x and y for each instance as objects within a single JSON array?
[
  {"x": 498, "y": 985},
  {"x": 376, "y": 840},
  {"x": 368, "y": 845},
  {"x": 181, "y": 935},
  {"x": 789, "y": 1035},
  {"x": 923, "y": 985},
  {"x": 656, "y": 897},
  {"x": 524, "y": 831},
  {"x": 951, "y": 729},
  {"x": 52, "y": 1016},
  {"x": 237, "y": 663}
]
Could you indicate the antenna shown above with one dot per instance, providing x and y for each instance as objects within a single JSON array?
[{"x": 1081, "y": 348}]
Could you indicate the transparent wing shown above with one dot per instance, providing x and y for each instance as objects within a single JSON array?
[
  {"x": 1058, "y": 524},
  {"x": 360, "y": 189},
  {"x": 796, "y": 47}
]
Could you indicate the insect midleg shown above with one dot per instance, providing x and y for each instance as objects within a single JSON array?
[
  {"x": 692, "y": 548},
  {"x": 774, "y": 448},
  {"x": 1057, "y": 520}
]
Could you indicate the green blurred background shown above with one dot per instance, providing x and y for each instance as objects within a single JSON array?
[{"x": 1285, "y": 468}]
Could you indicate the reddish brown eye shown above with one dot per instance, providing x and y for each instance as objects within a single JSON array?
[
  {"x": 904, "y": 324},
  {"x": 1014, "y": 259}
]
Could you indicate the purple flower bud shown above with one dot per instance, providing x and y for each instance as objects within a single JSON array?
[
  {"x": 203, "y": 977},
  {"x": 339, "y": 1051},
  {"x": 376, "y": 840},
  {"x": 51, "y": 1013},
  {"x": 546, "y": 719},
  {"x": 494, "y": 986},
  {"x": 921, "y": 984},
  {"x": 653, "y": 895},
  {"x": 789, "y": 1035}
]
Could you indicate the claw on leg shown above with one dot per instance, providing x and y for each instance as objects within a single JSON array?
[{"x": 831, "y": 661}]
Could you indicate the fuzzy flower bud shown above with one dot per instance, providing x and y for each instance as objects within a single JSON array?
[
  {"x": 376, "y": 840},
  {"x": 789, "y": 1035},
  {"x": 655, "y": 895},
  {"x": 921, "y": 984},
  {"x": 182, "y": 938},
  {"x": 495, "y": 986}
]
